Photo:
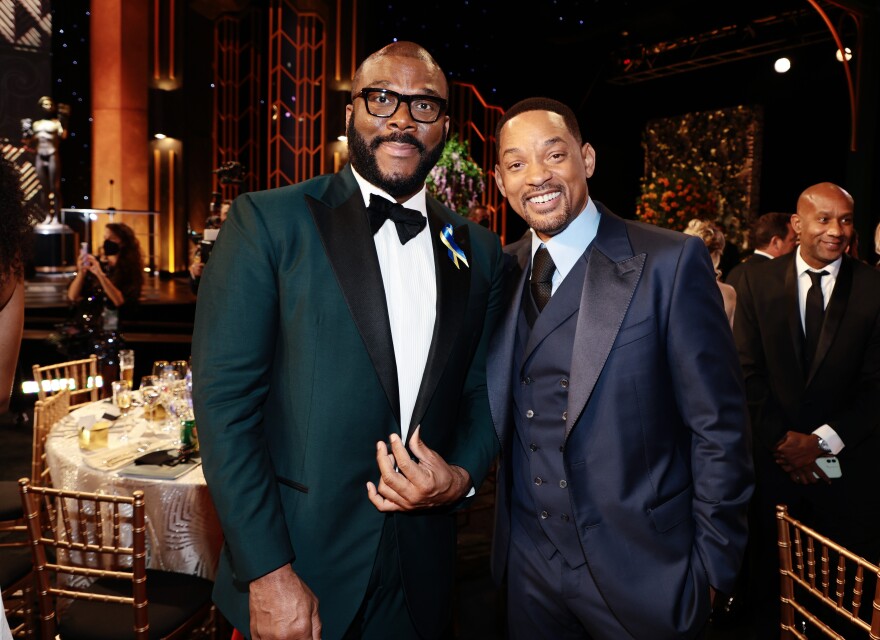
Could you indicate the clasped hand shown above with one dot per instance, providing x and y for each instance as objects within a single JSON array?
[
  {"x": 796, "y": 453},
  {"x": 428, "y": 482}
]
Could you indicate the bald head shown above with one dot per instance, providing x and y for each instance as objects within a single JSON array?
[
  {"x": 821, "y": 193},
  {"x": 402, "y": 49}
]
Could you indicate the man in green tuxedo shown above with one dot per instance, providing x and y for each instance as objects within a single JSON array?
[{"x": 339, "y": 378}]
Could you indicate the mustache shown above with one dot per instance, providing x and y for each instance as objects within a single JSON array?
[{"x": 403, "y": 138}]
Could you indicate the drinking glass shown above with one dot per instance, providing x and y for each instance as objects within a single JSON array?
[
  {"x": 126, "y": 366},
  {"x": 159, "y": 367},
  {"x": 150, "y": 393},
  {"x": 122, "y": 399}
]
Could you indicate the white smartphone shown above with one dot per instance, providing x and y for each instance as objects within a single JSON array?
[
  {"x": 830, "y": 465},
  {"x": 83, "y": 249}
]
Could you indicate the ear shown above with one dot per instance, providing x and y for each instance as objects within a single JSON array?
[
  {"x": 499, "y": 180},
  {"x": 445, "y": 127},
  {"x": 349, "y": 109},
  {"x": 796, "y": 223},
  {"x": 589, "y": 156}
]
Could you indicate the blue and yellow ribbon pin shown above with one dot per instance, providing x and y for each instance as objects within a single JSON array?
[{"x": 455, "y": 252}]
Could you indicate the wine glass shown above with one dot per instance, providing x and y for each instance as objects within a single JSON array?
[
  {"x": 126, "y": 366},
  {"x": 122, "y": 399},
  {"x": 150, "y": 393},
  {"x": 159, "y": 367}
]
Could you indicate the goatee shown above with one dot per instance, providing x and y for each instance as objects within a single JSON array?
[{"x": 363, "y": 159}]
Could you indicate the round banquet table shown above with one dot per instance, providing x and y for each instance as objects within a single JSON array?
[{"x": 183, "y": 532}]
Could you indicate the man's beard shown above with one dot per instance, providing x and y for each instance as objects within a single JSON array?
[{"x": 363, "y": 159}]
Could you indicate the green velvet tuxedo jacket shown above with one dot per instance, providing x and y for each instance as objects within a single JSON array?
[{"x": 295, "y": 381}]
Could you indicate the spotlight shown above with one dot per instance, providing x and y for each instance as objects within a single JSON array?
[
  {"x": 160, "y": 136},
  {"x": 782, "y": 65},
  {"x": 846, "y": 53}
]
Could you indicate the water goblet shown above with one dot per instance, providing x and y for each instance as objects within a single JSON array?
[
  {"x": 150, "y": 394},
  {"x": 159, "y": 367},
  {"x": 126, "y": 366},
  {"x": 122, "y": 399}
]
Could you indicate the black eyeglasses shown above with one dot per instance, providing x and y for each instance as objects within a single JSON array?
[{"x": 383, "y": 103}]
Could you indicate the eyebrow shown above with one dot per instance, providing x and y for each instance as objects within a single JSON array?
[
  {"x": 385, "y": 84},
  {"x": 549, "y": 142}
]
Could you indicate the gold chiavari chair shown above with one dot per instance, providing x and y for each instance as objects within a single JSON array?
[
  {"x": 80, "y": 377},
  {"x": 101, "y": 540},
  {"x": 815, "y": 570}
]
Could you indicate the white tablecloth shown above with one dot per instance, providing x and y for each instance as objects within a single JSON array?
[{"x": 183, "y": 532}]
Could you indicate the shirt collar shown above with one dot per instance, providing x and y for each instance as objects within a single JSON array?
[
  {"x": 568, "y": 246},
  {"x": 418, "y": 202},
  {"x": 802, "y": 267},
  {"x": 758, "y": 252}
]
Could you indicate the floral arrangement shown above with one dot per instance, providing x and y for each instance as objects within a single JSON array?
[
  {"x": 719, "y": 152},
  {"x": 672, "y": 198},
  {"x": 456, "y": 181}
]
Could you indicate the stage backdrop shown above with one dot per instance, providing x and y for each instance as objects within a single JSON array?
[{"x": 704, "y": 164}]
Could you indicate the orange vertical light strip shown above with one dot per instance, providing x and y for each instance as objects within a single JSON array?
[
  {"x": 171, "y": 25},
  {"x": 157, "y": 74},
  {"x": 153, "y": 225},
  {"x": 172, "y": 158}
]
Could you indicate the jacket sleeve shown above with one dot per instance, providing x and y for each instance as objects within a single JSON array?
[{"x": 236, "y": 327}]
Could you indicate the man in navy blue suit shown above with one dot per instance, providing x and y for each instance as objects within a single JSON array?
[{"x": 618, "y": 399}]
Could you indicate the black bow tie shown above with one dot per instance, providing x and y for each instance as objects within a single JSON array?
[{"x": 409, "y": 222}]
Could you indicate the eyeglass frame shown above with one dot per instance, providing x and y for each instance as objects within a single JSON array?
[{"x": 402, "y": 98}]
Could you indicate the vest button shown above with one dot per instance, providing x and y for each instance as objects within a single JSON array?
[
  {"x": 564, "y": 383},
  {"x": 533, "y": 447},
  {"x": 530, "y": 414},
  {"x": 564, "y": 415},
  {"x": 544, "y": 515},
  {"x": 563, "y": 484},
  {"x": 539, "y": 481},
  {"x": 527, "y": 380},
  {"x": 565, "y": 517},
  {"x": 562, "y": 448}
]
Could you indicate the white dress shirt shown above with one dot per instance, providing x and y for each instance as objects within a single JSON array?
[
  {"x": 411, "y": 295},
  {"x": 804, "y": 282}
]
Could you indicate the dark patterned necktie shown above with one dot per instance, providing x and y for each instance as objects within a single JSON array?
[
  {"x": 409, "y": 222},
  {"x": 542, "y": 277},
  {"x": 814, "y": 313}
]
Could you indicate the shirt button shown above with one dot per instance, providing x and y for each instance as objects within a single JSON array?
[
  {"x": 539, "y": 481},
  {"x": 564, "y": 383},
  {"x": 565, "y": 415},
  {"x": 533, "y": 447},
  {"x": 564, "y": 517},
  {"x": 544, "y": 515},
  {"x": 530, "y": 414},
  {"x": 563, "y": 484},
  {"x": 527, "y": 380}
]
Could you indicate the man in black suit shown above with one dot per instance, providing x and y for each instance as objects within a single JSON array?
[
  {"x": 772, "y": 236},
  {"x": 811, "y": 359}
]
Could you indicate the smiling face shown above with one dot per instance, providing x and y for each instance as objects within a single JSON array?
[
  {"x": 396, "y": 153},
  {"x": 543, "y": 171},
  {"x": 824, "y": 223}
]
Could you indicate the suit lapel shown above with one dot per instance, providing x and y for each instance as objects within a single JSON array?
[
  {"x": 348, "y": 242},
  {"x": 612, "y": 275},
  {"x": 499, "y": 364},
  {"x": 833, "y": 315},
  {"x": 560, "y": 307},
  {"x": 453, "y": 288},
  {"x": 792, "y": 311}
]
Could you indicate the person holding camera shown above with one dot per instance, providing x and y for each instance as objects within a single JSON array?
[{"x": 203, "y": 251}]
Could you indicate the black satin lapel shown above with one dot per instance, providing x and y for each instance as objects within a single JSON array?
[
  {"x": 453, "y": 288},
  {"x": 499, "y": 362},
  {"x": 792, "y": 308},
  {"x": 834, "y": 313},
  {"x": 607, "y": 293},
  {"x": 345, "y": 234}
]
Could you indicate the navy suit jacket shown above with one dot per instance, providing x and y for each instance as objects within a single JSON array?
[{"x": 656, "y": 452}]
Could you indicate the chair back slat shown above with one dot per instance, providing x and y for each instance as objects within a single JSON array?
[
  {"x": 46, "y": 413},
  {"x": 798, "y": 585},
  {"x": 79, "y": 377}
]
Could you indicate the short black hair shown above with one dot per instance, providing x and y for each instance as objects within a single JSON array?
[
  {"x": 540, "y": 104},
  {"x": 767, "y": 226}
]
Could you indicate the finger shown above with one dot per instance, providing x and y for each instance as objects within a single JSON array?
[
  {"x": 404, "y": 463},
  {"x": 421, "y": 451},
  {"x": 379, "y": 501},
  {"x": 316, "y": 625},
  {"x": 821, "y": 474}
]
